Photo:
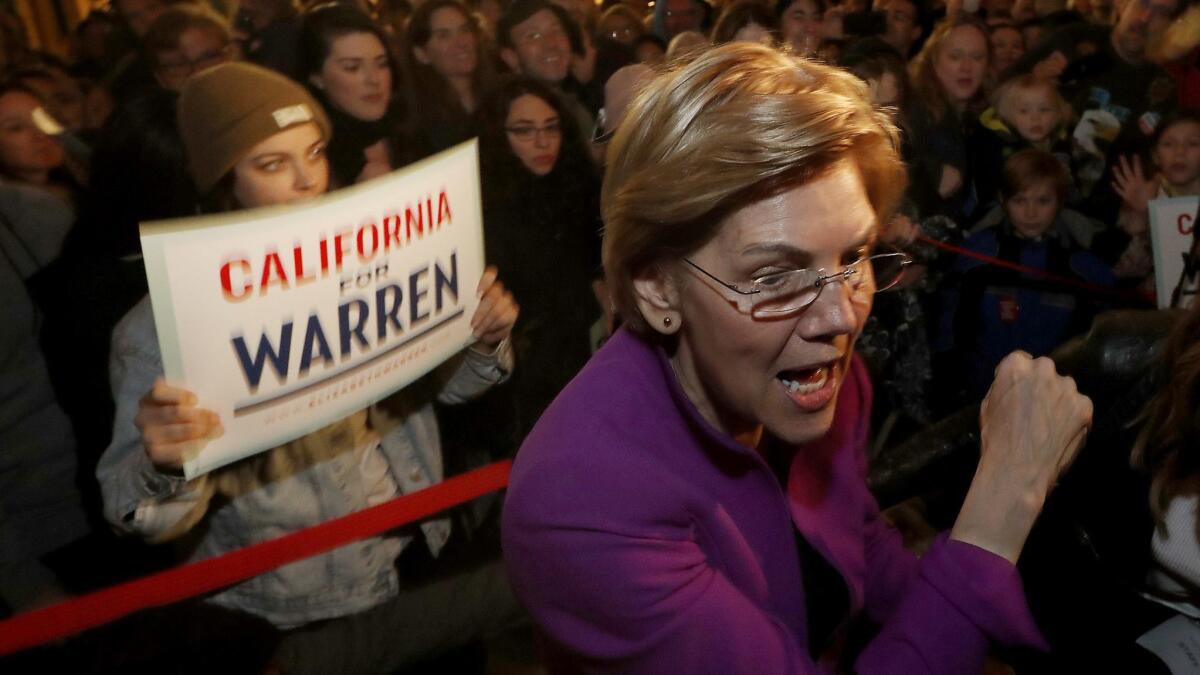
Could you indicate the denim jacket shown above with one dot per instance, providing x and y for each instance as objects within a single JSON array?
[{"x": 139, "y": 499}]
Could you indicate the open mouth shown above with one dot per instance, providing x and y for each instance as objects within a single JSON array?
[{"x": 810, "y": 388}]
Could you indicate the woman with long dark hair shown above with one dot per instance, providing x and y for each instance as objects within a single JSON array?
[
  {"x": 542, "y": 222},
  {"x": 345, "y": 61},
  {"x": 449, "y": 74},
  {"x": 1166, "y": 450}
]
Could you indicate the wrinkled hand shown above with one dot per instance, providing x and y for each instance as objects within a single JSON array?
[
  {"x": 172, "y": 426},
  {"x": 1131, "y": 183},
  {"x": 1033, "y": 422},
  {"x": 1052, "y": 66},
  {"x": 951, "y": 181},
  {"x": 496, "y": 314}
]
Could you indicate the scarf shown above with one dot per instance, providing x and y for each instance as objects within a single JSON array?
[{"x": 351, "y": 136}]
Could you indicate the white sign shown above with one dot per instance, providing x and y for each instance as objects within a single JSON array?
[
  {"x": 1177, "y": 642},
  {"x": 286, "y": 319},
  {"x": 1171, "y": 224}
]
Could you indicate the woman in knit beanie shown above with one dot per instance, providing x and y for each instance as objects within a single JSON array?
[
  {"x": 224, "y": 116},
  {"x": 255, "y": 138},
  {"x": 346, "y": 62}
]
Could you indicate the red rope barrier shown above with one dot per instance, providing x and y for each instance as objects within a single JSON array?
[
  {"x": 1043, "y": 274},
  {"x": 162, "y": 588}
]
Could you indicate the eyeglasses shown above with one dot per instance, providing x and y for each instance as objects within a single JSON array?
[
  {"x": 527, "y": 132},
  {"x": 177, "y": 70},
  {"x": 794, "y": 290},
  {"x": 599, "y": 135},
  {"x": 543, "y": 34},
  {"x": 623, "y": 34}
]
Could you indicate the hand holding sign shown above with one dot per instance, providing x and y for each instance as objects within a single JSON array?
[
  {"x": 496, "y": 314},
  {"x": 172, "y": 426},
  {"x": 283, "y": 320}
]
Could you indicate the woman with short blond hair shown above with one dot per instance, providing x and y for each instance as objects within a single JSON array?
[{"x": 695, "y": 500}]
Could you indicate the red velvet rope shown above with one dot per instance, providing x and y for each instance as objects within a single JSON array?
[
  {"x": 163, "y": 588},
  {"x": 1096, "y": 289}
]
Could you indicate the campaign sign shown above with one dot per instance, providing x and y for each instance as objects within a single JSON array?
[
  {"x": 1171, "y": 224},
  {"x": 286, "y": 319}
]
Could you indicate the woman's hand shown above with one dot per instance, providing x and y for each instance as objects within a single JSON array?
[
  {"x": 950, "y": 182},
  {"x": 583, "y": 68},
  {"x": 172, "y": 426},
  {"x": 1131, "y": 183},
  {"x": 379, "y": 162},
  {"x": 1051, "y": 67},
  {"x": 496, "y": 314},
  {"x": 1033, "y": 422}
]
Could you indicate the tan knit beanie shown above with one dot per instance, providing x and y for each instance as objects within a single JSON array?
[{"x": 227, "y": 110}]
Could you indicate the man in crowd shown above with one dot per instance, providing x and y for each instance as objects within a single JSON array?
[
  {"x": 903, "y": 24},
  {"x": 534, "y": 41},
  {"x": 268, "y": 31},
  {"x": 134, "y": 74}
]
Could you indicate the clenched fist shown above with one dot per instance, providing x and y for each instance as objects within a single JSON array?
[{"x": 1033, "y": 422}]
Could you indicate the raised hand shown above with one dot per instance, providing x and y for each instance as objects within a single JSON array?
[
  {"x": 1131, "y": 183},
  {"x": 1032, "y": 422},
  {"x": 1052, "y": 66}
]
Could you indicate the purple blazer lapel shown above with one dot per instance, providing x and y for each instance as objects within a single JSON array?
[{"x": 826, "y": 488}]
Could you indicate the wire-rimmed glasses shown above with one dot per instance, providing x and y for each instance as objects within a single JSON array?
[{"x": 791, "y": 291}]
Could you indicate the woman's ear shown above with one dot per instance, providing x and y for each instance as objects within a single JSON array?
[
  {"x": 657, "y": 295},
  {"x": 317, "y": 81}
]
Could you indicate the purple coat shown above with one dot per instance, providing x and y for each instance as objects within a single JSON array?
[{"x": 643, "y": 540}]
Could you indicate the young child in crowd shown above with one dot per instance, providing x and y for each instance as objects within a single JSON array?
[
  {"x": 990, "y": 311},
  {"x": 1175, "y": 172},
  {"x": 1028, "y": 113}
]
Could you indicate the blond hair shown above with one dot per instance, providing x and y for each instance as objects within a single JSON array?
[
  {"x": 739, "y": 123},
  {"x": 1004, "y": 98}
]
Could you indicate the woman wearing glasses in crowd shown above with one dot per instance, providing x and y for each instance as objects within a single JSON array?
[
  {"x": 255, "y": 139},
  {"x": 695, "y": 499},
  {"x": 345, "y": 61},
  {"x": 541, "y": 221},
  {"x": 622, "y": 24},
  {"x": 185, "y": 40},
  {"x": 449, "y": 74}
]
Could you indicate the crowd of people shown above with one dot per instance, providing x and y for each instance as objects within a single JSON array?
[{"x": 1033, "y": 135}]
